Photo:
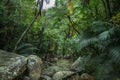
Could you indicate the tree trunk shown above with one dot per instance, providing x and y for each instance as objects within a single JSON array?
[
  {"x": 29, "y": 26},
  {"x": 105, "y": 8},
  {"x": 96, "y": 12},
  {"x": 106, "y": 4},
  {"x": 108, "y": 8}
]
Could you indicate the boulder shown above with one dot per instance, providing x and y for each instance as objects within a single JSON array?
[
  {"x": 74, "y": 77},
  {"x": 118, "y": 79},
  {"x": 61, "y": 65},
  {"x": 86, "y": 76},
  {"x": 26, "y": 78},
  {"x": 64, "y": 63},
  {"x": 62, "y": 74},
  {"x": 17, "y": 67},
  {"x": 79, "y": 64},
  {"x": 34, "y": 67},
  {"x": 45, "y": 77},
  {"x": 11, "y": 65},
  {"x": 50, "y": 71}
]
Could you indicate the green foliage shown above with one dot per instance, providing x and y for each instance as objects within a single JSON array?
[
  {"x": 26, "y": 49},
  {"x": 87, "y": 33},
  {"x": 116, "y": 19},
  {"x": 10, "y": 21},
  {"x": 104, "y": 40}
]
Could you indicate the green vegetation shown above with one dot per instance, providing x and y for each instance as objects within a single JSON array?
[{"x": 87, "y": 28}]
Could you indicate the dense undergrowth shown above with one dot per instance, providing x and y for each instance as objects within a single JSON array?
[{"x": 76, "y": 28}]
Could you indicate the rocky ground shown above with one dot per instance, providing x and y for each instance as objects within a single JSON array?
[{"x": 17, "y": 67}]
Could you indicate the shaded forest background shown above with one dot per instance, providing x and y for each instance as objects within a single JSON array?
[{"x": 86, "y": 28}]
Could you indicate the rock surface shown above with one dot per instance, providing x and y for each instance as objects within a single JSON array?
[
  {"x": 86, "y": 76},
  {"x": 34, "y": 67},
  {"x": 78, "y": 65},
  {"x": 62, "y": 74},
  {"x": 45, "y": 77},
  {"x": 11, "y": 65},
  {"x": 17, "y": 67},
  {"x": 61, "y": 65},
  {"x": 50, "y": 71}
]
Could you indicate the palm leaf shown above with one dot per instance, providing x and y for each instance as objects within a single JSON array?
[
  {"x": 86, "y": 42},
  {"x": 24, "y": 45},
  {"x": 114, "y": 53},
  {"x": 28, "y": 50}
]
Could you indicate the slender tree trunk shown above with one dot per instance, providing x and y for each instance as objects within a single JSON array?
[
  {"x": 29, "y": 26},
  {"x": 108, "y": 8},
  {"x": 40, "y": 40},
  {"x": 104, "y": 7},
  {"x": 96, "y": 11},
  {"x": 8, "y": 6},
  {"x": 71, "y": 22},
  {"x": 26, "y": 30}
]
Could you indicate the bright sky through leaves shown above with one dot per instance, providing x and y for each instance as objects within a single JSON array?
[{"x": 50, "y": 5}]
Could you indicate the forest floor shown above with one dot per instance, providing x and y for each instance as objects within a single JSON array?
[{"x": 62, "y": 69}]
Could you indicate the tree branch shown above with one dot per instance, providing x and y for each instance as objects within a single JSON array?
[
  {"x": 72, "y": 23},
  {"x": 29, "y": 26}
]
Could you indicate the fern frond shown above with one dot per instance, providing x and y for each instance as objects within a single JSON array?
[
  {"x": 99, "y": 26},
  {"x": 100, "y": 47},
  {"x": 86, "y": 42},
  {"x": 103, "y": 71},
  {"x": 114, "y": 53},
  {"x": 104, "y": 35},
  {"x": 28, "y": 50},
  {"x": 24, "y": 45}
]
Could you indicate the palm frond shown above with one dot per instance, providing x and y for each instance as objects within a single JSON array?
[
  {"x": 86, "y": 42},
  {"x": 99, "y": 26},
  {"x": 24, "y": 45},
  {"x": 114, "y": 53},
  {"x": 104, "y": 35},
  {"x": 26, "y": 48},
  {"x": 103, "y": 71}
]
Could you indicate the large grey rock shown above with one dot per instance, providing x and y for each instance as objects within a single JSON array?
[
  {"x": 62, "y": 74},
  {"x": 45, "y": 77},
  {"x": 26, "y": 78},
  {"x": 11, "y": 65},
  {"x": 34, "y": 67},
  {"x": 61, "y": 65},
  {"x": 86, "y": 76},
  {"x": 50, "y": 71},
  {"x": 118, "y": 79},
  {"x": 64, "y": 63},
  {"x": 79, "y": 64}
]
